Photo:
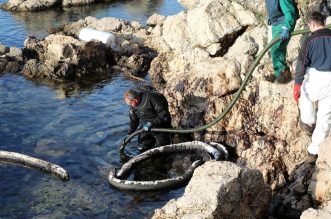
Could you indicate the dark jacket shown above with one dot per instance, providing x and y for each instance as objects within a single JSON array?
[
  {"x": 152, "y": 108},
  {"x": 315, "y": 53},
  {"x": 283, "y": 12}
]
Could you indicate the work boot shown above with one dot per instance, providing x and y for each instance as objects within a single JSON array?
[
  {"x": 271, "y": 78},
  {"x": 284, "y": 78},
  {"x": 307, "y": 128}
]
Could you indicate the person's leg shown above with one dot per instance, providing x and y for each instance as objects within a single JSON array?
[
  {"x": 306, "y": 107},
  {"x": 146, "y": 141},
  {"x": 323, "y": 124},
  {"x": 278, "y": 52},
  {"x": 162, "y": 139}
]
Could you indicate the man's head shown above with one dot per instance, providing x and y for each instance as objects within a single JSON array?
[
  {"x": 132, "y": 97},
  {"x": 316, "y": 21}
]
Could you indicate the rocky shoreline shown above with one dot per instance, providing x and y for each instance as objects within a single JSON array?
[{"x": 198, "y": 59}]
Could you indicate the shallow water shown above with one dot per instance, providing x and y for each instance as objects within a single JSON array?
[{"x": 75, "y": 126}]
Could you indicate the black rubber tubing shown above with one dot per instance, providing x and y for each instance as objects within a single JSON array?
[
  {"x": 204, "y": 150},
  {"x": 152, "y": 185},
  {"x": 232, "y": 102},
  {"x": 194, "y": 146}
]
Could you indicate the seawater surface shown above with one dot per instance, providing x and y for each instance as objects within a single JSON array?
[{"x": 77, "y": 126}]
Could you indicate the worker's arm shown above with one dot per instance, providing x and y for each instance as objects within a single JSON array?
[
  {"x": 303, "y": 63},
  {"x": 134, "y": 121}
]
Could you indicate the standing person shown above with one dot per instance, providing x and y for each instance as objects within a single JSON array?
[
  {"x": 313, "y": 81},
  {"x": 282, "y": 16},
  {"x": 148, "y": 109}
]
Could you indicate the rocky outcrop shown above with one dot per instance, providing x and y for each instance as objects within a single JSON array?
[
  {"x": 34, "y": 5},
  {"x": 11, "y": 59},
  {"x": 229, "y": 191},
  {"x": 64, "y": 57},
  {"x": 129, "y": 51},
  {"x": 29, "y": 5},
  {"x": 203, "y": 61}
]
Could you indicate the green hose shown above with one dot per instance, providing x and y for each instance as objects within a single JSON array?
[{"x": 230, "y": 105}]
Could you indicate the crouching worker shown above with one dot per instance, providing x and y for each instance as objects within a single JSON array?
[
  {"x": 313, "y": 82},
  {"x": 148, "y": 110}
]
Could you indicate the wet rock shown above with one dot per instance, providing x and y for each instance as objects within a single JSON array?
[
  {"x": 64, "y": 57},
  {"x": 29, "y": 5},
  {"x": 11, "y": 59},
  {"x": 136, "y": 65},
  {"x": 9, "y": 65},
  {"x": 70, "y": 3},
  {"x": 232, "y": 192}
]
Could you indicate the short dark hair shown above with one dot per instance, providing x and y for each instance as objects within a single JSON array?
[
  {"x": 132, "y": 94},
  {"x": 316, "y": 17}
]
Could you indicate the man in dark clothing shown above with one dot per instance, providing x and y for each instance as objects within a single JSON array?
[
  {"x": 313, "y": 81},
  {"x": 148, "y": 110},
  {"x": 282, "y": 16}
]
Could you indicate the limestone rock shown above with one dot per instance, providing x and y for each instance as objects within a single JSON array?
[
  {"x": 69, "y": 3},
  {"x": 155, "y": 19},
  {"x": 29, "y": 5},
  {"x": 11, "y": 59},
  {"x": 322, "y": 213},
  {"x": 229, "y": 191},
  {"x": 64, "y": 57},
  {"x": 3, "y": 49},
  {"x": 320, "y": 186}
]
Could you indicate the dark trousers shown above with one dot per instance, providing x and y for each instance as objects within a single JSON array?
[{"x": 150, "y": 140}]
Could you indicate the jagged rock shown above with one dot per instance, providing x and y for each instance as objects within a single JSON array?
[
  {"x": 322, "y": 213},
  {"x": 69, "y": 3},
  {"x": 29, "y": 5},
  {"x": 3, "y": 49},
  {"x": 9, "y": 65},
  {"x": 320, "y": 186},
  {"x": 15, "y": 52},
  {"x": 262, "y": 126},
  {"x": 155, "y": 19},
  {"x": 11, "y": 59},
  {"x": 189, "y": 4},
  {"x": 64, "y": 57},
  {"x": 229, "y": 191}
]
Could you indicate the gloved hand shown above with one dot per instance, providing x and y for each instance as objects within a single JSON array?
[
  {"x": 296, "y": 92},
  {"x": 285, "y": 33},
  {"x": 147, "y": 126}
]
